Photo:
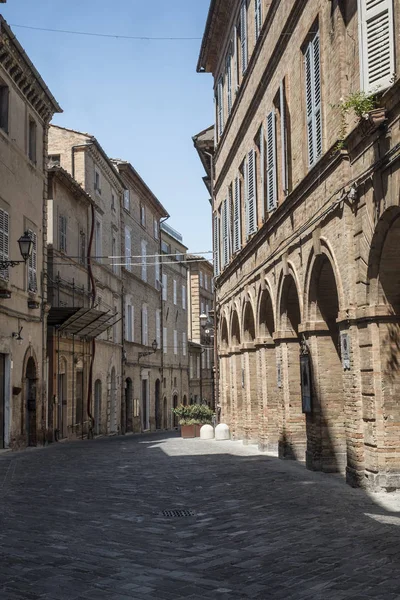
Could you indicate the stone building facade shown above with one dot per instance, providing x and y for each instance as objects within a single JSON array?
[
  {"x": 201, "y": 339},
  {"x": 306, "y": 226},
  {"x": 82, "y": 156},
  {"x": 174, "y": 319},
  {"x": 140, "y": 229},
  {"x": 26, "y": 108}
]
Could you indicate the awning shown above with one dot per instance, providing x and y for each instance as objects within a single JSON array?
[{"x": 83, "y": 322}]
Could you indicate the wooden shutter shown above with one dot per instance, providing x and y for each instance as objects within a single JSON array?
[
  {"x": 235, "y": 58},
  {"x": 165, "y": 287},
  {"x": 285, "y": 171},
  {"x": 262, "y": 172},
  {"x": 216, "y": 246},
  {"x": 32, "y": 264},
  {"x": 377, "y": 58},
  {"x": 237, "y": 214},
  {"x": 220, "y": 106},
  {"x": 157, "y": 272},
  {"x": 158, "y": 327},
  {"x": 243, "y": 34},
  {"x": 271, "y": 162},
  {"x": 225, "y": 233},
  {"x": 144, "y": 260},
  {"x": 175, "y": 292},
  {"x": 184, "y": 343},
  {"x": 4, "y": 241},
  {"x": 258, "y": 16},
  {"x": 313, "y": 100},
  {"x": 165, "y": 339},
  {"x": 251, "y": 193},
  {"x": 184, "y": 297},
  {"x": 145, "y": 332},
  {"x": 229, "y": 81},
  {"x": 128, "y": 249},
  {"x": 175, "y": 341}
]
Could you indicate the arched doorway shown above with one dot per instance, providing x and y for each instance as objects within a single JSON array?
[
  {"x": 113, "y": 402},
  {"x": 250, "y": 375},
  {"x": 31, "y": 398},
  {"x": 97, "y": 406},
  {"x": 326, "y": 434},
  {"x": 128, "y": 405},
  {"x": 165, "y": 413},
  {"x": 62, "y": 399},
  {"x": 268, "y": 396},
  {"x": 224, "y": 375},
  {"x": 175, "y": 405},
  {"x": 158, "y": 404},
  {"x": 237, "y": 379},
  {"x": 292, "y": 437}
]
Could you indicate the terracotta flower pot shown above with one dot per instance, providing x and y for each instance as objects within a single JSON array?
[{"x": 188, "y": 431}]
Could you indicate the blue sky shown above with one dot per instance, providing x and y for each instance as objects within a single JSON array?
[{"x": 143, "y": 100}]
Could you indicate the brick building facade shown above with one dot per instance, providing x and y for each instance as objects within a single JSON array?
[{"x": 306, "y": 225}]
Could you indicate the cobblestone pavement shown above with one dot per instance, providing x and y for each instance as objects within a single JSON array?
[{"x": 84, "y": 521}]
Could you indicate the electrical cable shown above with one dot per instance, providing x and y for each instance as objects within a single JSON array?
[{"x": 106, "y": 35}]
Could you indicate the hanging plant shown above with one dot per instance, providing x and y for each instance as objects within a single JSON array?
[{"x": 364, "y": 107}]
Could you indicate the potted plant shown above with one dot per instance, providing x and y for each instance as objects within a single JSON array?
[
  {"x": 364, "y": 106},
  {"x": 192, "y": 417}
]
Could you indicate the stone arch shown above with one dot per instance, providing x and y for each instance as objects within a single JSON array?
[
  {"x": 235, "y": 329},
  {"x": 266, "y": 313},
  {"x": 224, "y": 335},
  {"x": 326, "y": 432},
  {"x": 249, "y": 323},
  {"x": 289, "y": 303},
  {"x": 321, "y": 261}
]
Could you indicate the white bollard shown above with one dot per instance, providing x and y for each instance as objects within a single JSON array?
[
  {"x": 207, "y": 432},
  {"x": 222, "y": 432}
]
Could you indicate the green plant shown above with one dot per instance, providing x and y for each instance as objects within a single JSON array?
[
  {"x": 194, "y": 414},
  {"x": 360, "y": 104}
]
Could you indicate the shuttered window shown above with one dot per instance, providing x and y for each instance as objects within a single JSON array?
[
  {"x": 229, "y": 81},
  {"x": 165, "y": 340},
  {"x": 158, "y": 327},
  {"x": 284, "y": 139},
  {"x": 184, "y": 297},
  {"x": 32, "y": 264},
  {"x": 127, "y": 200},
  {"x": 225, "y": 232},
  {"x": 175, "y": 341},
  {"x": 165, "y": 287},
  {"x": 157, "y": 273},
  {"x": 175, "y": 292},
  {"x": 235, "y": 59},
  {"x": 243, "y": 35},
  {"x": 313, "y": 100},
  {"x": 377, "y": 57},
  {"x": 128, "y": 249},
  {"x": 271, "y": 162},
  {"x": 62, "y": 233},
  {"x": 251, "y": 196},
  {"x": 144, "y": 260},
  {"x": 220, "y": 106},
  {"x": 129, "y": 322},
  {"x": 216, "y": 246},
  {"x": 261, "y": 146},
  {"x": 145, "y": 328},
  {"x": 258, "y": 17},
  {"x": 184, "y": 344},
  {"x": 237, "y": 214},
  {"x": 4, "y": 240}
]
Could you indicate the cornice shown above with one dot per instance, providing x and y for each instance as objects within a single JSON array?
[{"x": 20, "y": 69}]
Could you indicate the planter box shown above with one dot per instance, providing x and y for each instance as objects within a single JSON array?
[
  {"x": 188, "y": 431},
  {"x": 197, "y": 430}
]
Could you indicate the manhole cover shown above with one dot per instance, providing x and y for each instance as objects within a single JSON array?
[{"x": 180, "y": 512}]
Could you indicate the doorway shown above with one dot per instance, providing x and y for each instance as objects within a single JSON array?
[
  {"x": 62, "y": 402},
  {"x": 31, "y": 384},
  {"x": 175, "y": 404},
  {"x": 158, "y": 405},
  {"x": 128, "y": 405},
  {"x": 97, "y": 407},
  {"x": 113, "y": 402},
  {"x": 145, "y": 405}
]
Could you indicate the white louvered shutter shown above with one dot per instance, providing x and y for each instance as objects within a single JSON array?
[
  {"x": 184, "y": 343},
  {"x": 32, "y": 264},
  {"x": 243, "y": 35},
  {"x": 145, "y": 331},
  {"x": 258, "y": 17},
  {"x": 158, "y": 327},
  {"x": 184, "y": 297},
  {"x": 165, "y": 340},
  {"x": 216, "y": 246},
  {"x": 282, "y": 103},
  {"x": 175, "y": 341},
  {"x": 251, "y": 193},
  {"x": 237, "y": 215},
  {"x": 175, "y": 292},
  {"x": 144, "y": 260},
  {"x": 377, "y": 56},
  {"x": 4, "y": 240},
  {"x": 262, "y": 172},
  {"x": 313, "y": 100},
  {"x": 127, "y": 199},
  {"x": 271, "y": 162},
  {"x": 229, "y": 81},
  {"x": 157, "y": 273},
  {"x": 128, "y": 249},
  {"x": 220, "y": 106},
  {"x": 165, "y": 287},
  {"x": 225, "y": 242},
  {"x": 235, "y": 58}
]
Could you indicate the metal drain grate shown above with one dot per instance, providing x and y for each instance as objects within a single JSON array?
[{"x": 178, "y": 513}]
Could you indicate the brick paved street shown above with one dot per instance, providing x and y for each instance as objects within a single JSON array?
[{"x": 83, "y": 521}]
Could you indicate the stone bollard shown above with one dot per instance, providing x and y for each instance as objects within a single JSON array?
[
  {"x": 207, "y": 432},
  {"x": 222, "y": 432}
]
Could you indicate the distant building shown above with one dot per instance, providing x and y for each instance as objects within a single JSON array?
[
  {"x": 174, "y": 319},
  {"x": 26, "y": 108}
]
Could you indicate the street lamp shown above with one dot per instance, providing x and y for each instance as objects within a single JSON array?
[{"x": 25, "y": 243}]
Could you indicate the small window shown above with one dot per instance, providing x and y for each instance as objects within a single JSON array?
[
  {"x": 97, "y": 181},
  {"x": 54, "y": 160},
  {"x": 144, "y": 260},
  {"x": 32, "y": 264},
  {"x": 62, "y": 233},
  {"x": 142, "y": 215},
  {"x": 165, "y": 248},
  {"x": 156, "y": 229},
  {"x": 113, "y": 207},
  {"x": 98, "y": 244},
  {"x": 201, "y": 278},
  {"x": 127, "y": 200},
  {"x": 82, "y": 248},
  {"x": 4, "y": 102},
  {"x": 32, "y": 129}
]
